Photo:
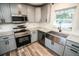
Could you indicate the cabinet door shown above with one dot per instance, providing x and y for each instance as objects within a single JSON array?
[
  {"x": 31, "y": 13},
  {"x": 34, "y": 36},
  {"x": 0, "y": 14},
  {"x": 3, "y": 46},
  {"x": 14, "y": 8},
  {"x": 48, "y": 43},
  {"x": 11, "y": 44},
  {"x": 71, "y": 52},
  {"x": 59, "y": 49},
  {"x": 41, "y": 37},
  {"x": 44, "y": 13},
  {"x": 37, "y": 14},
  {"x": 23, "y": 9},
  {"x": 6, "y": 14}
]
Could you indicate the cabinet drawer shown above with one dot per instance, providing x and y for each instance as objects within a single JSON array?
[
  {"x": 6, "y": 37},
  {"x": 73, "y": 44},
  {"x": 71, "y": 52}
]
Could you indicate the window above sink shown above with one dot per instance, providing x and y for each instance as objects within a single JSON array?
[{"x": 64, "y": 18}]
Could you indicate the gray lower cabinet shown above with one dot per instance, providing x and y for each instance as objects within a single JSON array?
[
  {"x": 3, "y": 47},
  {"x": 69, "y": 51},
  {"x": 7, "y": 43},
  {"x": 41, "y": 37},
  {"x": 34, "y": 36}
]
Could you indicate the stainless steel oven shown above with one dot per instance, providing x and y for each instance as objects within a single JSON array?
[
  {"x": 23, "y": 40},
  {"x": 23, "y": 36}
]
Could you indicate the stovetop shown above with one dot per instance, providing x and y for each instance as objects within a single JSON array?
[{"x": 21, "y": 31}]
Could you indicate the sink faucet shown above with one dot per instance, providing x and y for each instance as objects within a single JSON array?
[{"x": 59, "y": 29}]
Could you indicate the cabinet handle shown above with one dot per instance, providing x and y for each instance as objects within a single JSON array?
[
  {"x": 7, "y": 42},
  {"x": 75, "y": 46},
  {"x": 5, "y": 38},
  {"x": 73, "y": 50}
]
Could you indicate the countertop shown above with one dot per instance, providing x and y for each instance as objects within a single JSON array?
[
  {"x": 5, "y": 33},
  {"x": 72, "y": 36}
]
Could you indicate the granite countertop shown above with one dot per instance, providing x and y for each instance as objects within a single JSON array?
[
  {"x": 6, "y": 33},
  {"x": 72, "y": 36}
]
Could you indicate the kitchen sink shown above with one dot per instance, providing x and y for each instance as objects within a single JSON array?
[{"x": 58, "y": 34}]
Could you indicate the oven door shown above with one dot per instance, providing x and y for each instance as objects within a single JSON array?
[{"x": 20, "y": 41}]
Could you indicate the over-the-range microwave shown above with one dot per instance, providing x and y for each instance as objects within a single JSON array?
[{"x": 19, "y": 19}]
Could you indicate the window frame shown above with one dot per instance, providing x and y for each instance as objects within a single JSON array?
[{"x": 64, "y": 10}]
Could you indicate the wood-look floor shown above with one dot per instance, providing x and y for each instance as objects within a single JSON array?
[{"x": 34, "y": 49}]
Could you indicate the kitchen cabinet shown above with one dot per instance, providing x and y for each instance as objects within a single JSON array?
[
  {"x": 14, "y": 9},
  {"x": 37, "y": 14},
  {"x": 34, "y": 36},
  {"x": 5, "y": 13},
  {"x": 45, "y": 13},
  {"x": 0, "y": 15},
  {"x": 31, "y": 14},
  {"x": 69, "y": 51},
  {"x": 41, "y": 37},
  {"x": 7, "y": 43},
  {"x": 29, "y": 11},
  {"x": 71, "y": 48},
  {"x": 23, "y": 9},
  {"x": 17, "y": 9}
]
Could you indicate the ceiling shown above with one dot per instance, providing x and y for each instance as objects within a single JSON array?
[{"x": 36, "y": 4}]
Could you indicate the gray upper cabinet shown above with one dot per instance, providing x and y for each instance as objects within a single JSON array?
[
  {"x": 5, "y": 12},
  {"x": 31, "y": 13},
  {"x": 37, "y": 14},
  {"x": 17, "y": 9},
  {"x": 45, "y": 13},
  {"x": 14, "y": 9},
  {"x": 34, "y": 14},
  {"x": 0, "y": 14},
  {"x": 23, "y": 9}
]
